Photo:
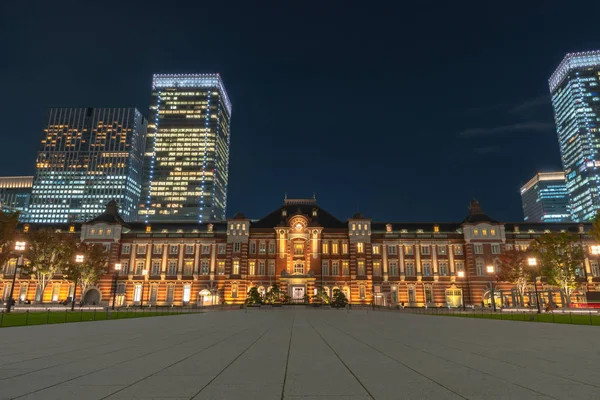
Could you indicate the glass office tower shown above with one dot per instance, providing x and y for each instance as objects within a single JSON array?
[
  {"x": 187, "y": 150},
  {"x": 15, "y": 194},
  {"x": 575, "y": 89},
  {"x": 87, "y": 157},
  {"x": 545, "y": 198}
]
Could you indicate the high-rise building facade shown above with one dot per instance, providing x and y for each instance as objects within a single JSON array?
[
  {"x": 545, "y": 198},
  {"x": 87, "y": 157},
  {"x": 15, "y": 193},
  {"x": 575, "y": 89},
  {"x": 187, "y": 151}
]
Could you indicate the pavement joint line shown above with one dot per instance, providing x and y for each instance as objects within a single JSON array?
[
  {"x": 107, "y": 367},
  {"x": 87, "y": 357},
  {"x": 287, "y": 360},
  {"x": 175, "y": 363},
  {"x": 230, "y": 364},
  {"x": 398, "y": 361},
  {"x": 339, "y": 358}
]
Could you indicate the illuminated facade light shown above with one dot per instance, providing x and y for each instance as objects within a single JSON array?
[
  {"x": 532, "y": 261},
  {"x": 187, "y": 151},
  {"x": 88, "y": 157},
  {"x": 575, "y": 88},
  {"x": 595, "y": 250},
  {"x": 545, "y": 198}
]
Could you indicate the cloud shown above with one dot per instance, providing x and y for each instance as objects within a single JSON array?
[
  {"x": 531, "y": 104},
  {"x": 536, "y": 126}
]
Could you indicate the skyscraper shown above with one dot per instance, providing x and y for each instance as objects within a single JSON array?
[
  {"x": 87, "y": 157},
  {"x": 187, "y": 151},
  {"x": 575, "y": 89},
  {"x": 15, "y": 193},
  {"x": 545, "y": 198}
]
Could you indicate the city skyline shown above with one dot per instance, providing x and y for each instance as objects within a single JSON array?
[{"x": 432, "y": 142}]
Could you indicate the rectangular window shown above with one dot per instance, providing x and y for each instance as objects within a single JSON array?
[
  {"x": 137, "y": 293},
  {"x": 443, "y": 268},
  {"x": 188, "y": 267},
  {"x": 172, "y": 268},
  {"x": 23, "y": 292},
  {"x": 126, "y": 249},
  {"x": 410, "y": 268},
  {"x": 236, "y": 267},
  {"x": 251, "y": 267},
  {"x": 375, "y": 249},
  {"x": 394, "y": 295},
  {"x": 221, "y": 267},
  {"x": 344, "y": 248},
  {"x": 236, "y": 247},
  {"x": 412, "y": 298},
  {"x": 173, "y": 249},
  {"x": 252, "y": 248},
  {"x": 261, "y": 268},
  {"x": 204, "y": 267},
  {"x": 206, "y": 249},
  {"x": 271, "y": 267},
  {"x": 55, "y": 292},
  {"x": 334, "y": 248},
  {"x": 189, "y": 249},
  {"x": 325, "y": 267},
  {"x": 426, "y": 269},
  {"x": 428, "y": 294},
  {"x": 392, "y": 250},
  {"x": 409, "y": 250},
  {"x": 141, "y": 249},
  {"x": 155, "y": 268},
  {"x": 376, "y": 268},
  {"x": 262, "y": 248},
  {"x": 187, "y": 291},
  {"x": 361, "y": 268},
  {"x": 495, "y": 249},
  {"x": 222, "y": 248},
  {"x": 442, "y": 249},
  {"x": 345, "y": 268},
  {"x": 460, "y": 265},
  {"x": 458, "y": 250},
  {"x": 124, "y": 267},
  {"x": 234, "y": 290},
  {"x": 425, "y": 250},
  {"x": 335, "y": 268},
  {"x": 595, "y": 268},
  {"x": 298, "y": 249},
  {"x": 298, "y": 268},
  {"x": 360, "y": 247},
  {"x": 479, "y": 266},
  {"x": 478, "y": 249},
  {"x": 170, "y": 294},
  {"x": 139, "y": 267},
  {"x": 362, "y": 292},
  {"x": 157, "y": 249},
  {"x": 271, "y": 248},
  {"x": 493, "y": 232},
  {"x": 393, "y": 265},
  {"x": 325, "y": 248},
  {"x": 484, "y": 232},
  {"x": 153, "y": 294},
  {"x": 454, "y": 297}
]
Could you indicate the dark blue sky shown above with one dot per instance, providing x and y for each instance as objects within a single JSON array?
[{"x": 406, "y": 109}]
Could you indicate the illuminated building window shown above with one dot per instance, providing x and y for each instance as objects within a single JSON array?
[
  {"x": 334, "y": 248},
  {"x": 234, "y": 290},
  {"x": 460, "y": 266},
  {"x": 361, "y": 268},
  {"x": 409, "y": 250},
  {"x": 458, "y": 250},
  {"x": 436, "y": 228},
  {"x": 298, "y": 268},
  {"x": 345, "y": 268},
  {"x": 376, "y": 268},
  {"x": 221, "y": 267},
  {"x": 344, "y": 248},
  {"x": 188, "y": 267},
  {"x": 251, "y": 266},
  {"x": 492, "y": 232},
  {"x": 187, "y": 290},
  {"x": 236, "y": 267},
  {"x": 476, "y": 232},
  {"x": 412, "y": 295},
  {"x": 325, "y": 248},
  {"x": 362, "y": 292},
  {"x": 428, "y": 294},
  {"x": 137, "y": 293},
  {"x": 360, "y": 247},
  {"x": 157, "y": 249},
  {"x": 375, "y": 249},
  {"x": 353, "y": 227},
  {"x": 484, "y": 232}
]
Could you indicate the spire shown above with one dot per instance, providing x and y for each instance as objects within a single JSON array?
[{"x": 476, "y": 213}]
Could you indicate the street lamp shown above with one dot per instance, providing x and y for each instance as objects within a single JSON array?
[
  {"x": 491, "y": 270},
  {"x": 144, "y": 273},
  {"x": 461, "y": 275},
  {"x": 532, "y": 261},
  {"x": 19, "y": 248},
  {"x": 117, "y": 269},
  {"x": 78, "y": 260}
]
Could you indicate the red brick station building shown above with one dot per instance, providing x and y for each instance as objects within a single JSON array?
[{"x": 302, "y": 248}]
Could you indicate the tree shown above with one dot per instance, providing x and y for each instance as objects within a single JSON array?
[
  {"x": 8, "y": 225},
  {"x": 94, "y": 265},
  {"x": 48, "y": 252},
  {"x": 339, "y": 299},
  {"x": 513, "y": 268},
  {"x": 561, "y": 257},
  {"x": 254, "y": 296},
  {"x": 322, "y": 297},
  {"x": 273, "y": 295}
]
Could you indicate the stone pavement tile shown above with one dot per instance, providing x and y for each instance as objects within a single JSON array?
[
  {"x": 62, "y": 392},
  {"x": 257, "y": 390},
  {"x": 163, "y": 386}
]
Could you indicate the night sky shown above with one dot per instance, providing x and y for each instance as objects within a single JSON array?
[{"x": 402, "y": 110}]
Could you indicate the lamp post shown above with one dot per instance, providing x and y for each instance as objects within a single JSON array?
[
  {"x": 461, "y": 275},
  {"x": 491, "y": 270},
  {"x": 116, "y": 277},
  {"x": 79, "y": 261},
  {"x": 144, "y": 273},
  {"x": 532, "y": 261},
  {"x": 19, "y": 248}
]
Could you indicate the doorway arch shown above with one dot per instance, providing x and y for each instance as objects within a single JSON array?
[{"x": 92, "y": 296}]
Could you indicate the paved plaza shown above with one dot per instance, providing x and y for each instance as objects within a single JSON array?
[{"x": 300, "y": 353}]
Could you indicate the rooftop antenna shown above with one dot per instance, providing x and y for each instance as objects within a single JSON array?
[{"x": 314, "y": 196}]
